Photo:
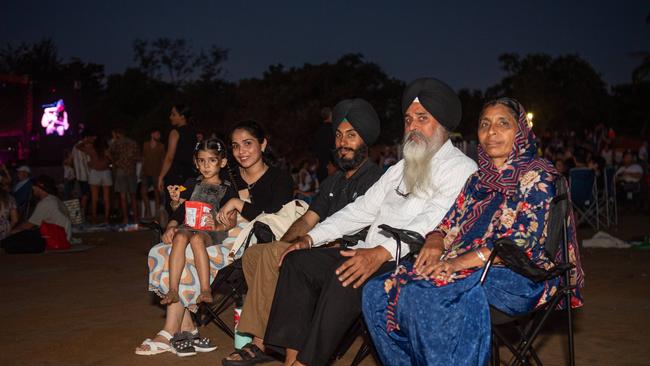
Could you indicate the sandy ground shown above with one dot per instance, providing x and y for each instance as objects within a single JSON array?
[{"x": 93, "y": 308}]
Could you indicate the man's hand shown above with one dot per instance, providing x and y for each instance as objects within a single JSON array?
[
  {"x": 168, "y": 236},
  {"x": 362, "y": 264},
  {"x": 428, "y": 257},
  {"x": 302, "y": 242}
]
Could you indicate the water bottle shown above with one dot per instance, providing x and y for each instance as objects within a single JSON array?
[{"x": 241, "y": 339}]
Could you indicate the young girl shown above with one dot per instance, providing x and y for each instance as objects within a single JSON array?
[{"x": 209, "y": 158}]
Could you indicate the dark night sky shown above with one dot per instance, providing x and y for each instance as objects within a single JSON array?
[{"x": 457, "y": 41}]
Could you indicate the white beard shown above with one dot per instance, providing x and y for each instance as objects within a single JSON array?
[{"x": 417, "y": 162}]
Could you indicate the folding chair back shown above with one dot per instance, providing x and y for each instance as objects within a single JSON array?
[
  {"x": 529, "y": 325},
  {"x": 584, "y": 195},
  {"x": 609, "y": 196}
]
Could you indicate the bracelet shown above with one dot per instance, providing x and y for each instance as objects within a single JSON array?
[{"x": 480, "y": 255}]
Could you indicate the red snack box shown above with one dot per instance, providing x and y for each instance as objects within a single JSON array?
[{"x": 196, "y": 214}]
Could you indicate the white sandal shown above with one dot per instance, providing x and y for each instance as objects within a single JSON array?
[{"x": 155, "y": 348}]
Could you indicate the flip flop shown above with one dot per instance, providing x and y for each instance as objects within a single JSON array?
[
  {"x": 246, "y": 359},
  {"x": 155, "y": 348}
]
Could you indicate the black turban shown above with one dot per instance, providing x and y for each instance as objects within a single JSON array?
[
  {"x": 437, "y": 98},
  {"x": 362, "y": 117}
]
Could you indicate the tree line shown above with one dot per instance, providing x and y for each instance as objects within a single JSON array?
[{"x": 564, "y": 92}]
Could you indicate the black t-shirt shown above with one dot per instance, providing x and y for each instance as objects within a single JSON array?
[
  {"x": 337, "y": 191},
  {"x": 215, "y": 195},
  {"x": 268, "y": 194},
  {"x": 182, "y": 167}
]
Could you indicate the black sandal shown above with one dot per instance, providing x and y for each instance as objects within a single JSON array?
[{"x": 246, "y": 359}]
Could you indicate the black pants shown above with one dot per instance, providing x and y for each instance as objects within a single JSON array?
[
  {"x": 26, "y": 241},
  {"x": 311, "y": 311}
]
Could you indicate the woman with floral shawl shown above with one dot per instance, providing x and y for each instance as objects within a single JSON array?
[{"x": 434, "y": 312}]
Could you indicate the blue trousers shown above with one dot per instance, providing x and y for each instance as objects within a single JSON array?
[{"x": 447, "y": 325}]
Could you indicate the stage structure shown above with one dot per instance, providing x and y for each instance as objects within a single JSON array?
[{"x": 16, "y": 116}]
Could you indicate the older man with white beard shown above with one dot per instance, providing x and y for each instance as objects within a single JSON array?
[{"x": 318, "y": 295}]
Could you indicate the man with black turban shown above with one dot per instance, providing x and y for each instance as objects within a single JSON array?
[
  {"x": 356, "y": 125},
  {"x": 318, "y": 295}
]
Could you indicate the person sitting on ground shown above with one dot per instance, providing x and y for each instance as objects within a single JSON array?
[
  {"x": 26, "y": 236},
  {"x": 628, "y": 177},
  {"x": 209, "y": 157},
  {"x": 318, "y": 295},
  {"x": 434, "y": 311},
  {"x": 22, "y": 190},
  {"x": 266, "y": 189},
  {"x": 356, "y": 126}
]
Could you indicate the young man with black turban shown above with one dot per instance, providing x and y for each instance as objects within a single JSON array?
[
  {"x": 356, "y": 126},
  {"x": 318, "y": 294}
]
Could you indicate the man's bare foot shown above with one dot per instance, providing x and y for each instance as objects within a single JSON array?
[
  {"x": 170, "y": 298},
  {"x": 206, "y": 297}
]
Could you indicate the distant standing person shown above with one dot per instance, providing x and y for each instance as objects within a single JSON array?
[
  {"x": 124, "y": 153},
  {"x": 178, "y": 165},
  {"x": 80, "y": 161},
  {"x": 99, "y": 174},
  {"x": 323, "y": 142},
  {"x": 153, "y": 155}
]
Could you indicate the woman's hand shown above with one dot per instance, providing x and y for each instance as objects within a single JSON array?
[
  {"x": 443, "y": 270},
  {"x": 228, "y": 210},
  {"x": 168, "y": 236}
]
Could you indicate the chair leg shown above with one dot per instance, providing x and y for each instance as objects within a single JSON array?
[
  {"x": 572, "y": 360},
  {"x": 496, "y": 357}
]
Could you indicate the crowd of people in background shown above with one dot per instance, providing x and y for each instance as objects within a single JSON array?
[{"x": 126, "y": 180}]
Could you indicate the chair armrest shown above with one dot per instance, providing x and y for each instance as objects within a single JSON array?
[
  {"x": 514, "y": 258},
  {"x": 353, "y": 239},
  {"x": 414, "y": 240}
]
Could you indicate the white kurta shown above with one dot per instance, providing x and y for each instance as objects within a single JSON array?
[{"x": 383, "y": 205}]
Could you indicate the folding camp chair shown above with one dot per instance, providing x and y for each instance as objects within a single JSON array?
[
  {"x": 230, "y": 285},
  {"x": 608, "y": 197},
  {"x": 529, "y": 325},
  {"x": 584, "y": 196},
  {"x": 415, "y": 241}
]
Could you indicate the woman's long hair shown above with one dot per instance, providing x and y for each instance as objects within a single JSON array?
[{"x": 256, "y": 130}]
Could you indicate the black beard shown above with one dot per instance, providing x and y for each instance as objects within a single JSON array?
[{"x": 360, "y": 155}]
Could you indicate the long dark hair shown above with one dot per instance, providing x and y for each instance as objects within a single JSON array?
[
  {"x": 184, "y": 111},
  {"x": 256, "y": 130},
  {"x": 100, "y": 145},
  {"x": 214, "y": 145}
]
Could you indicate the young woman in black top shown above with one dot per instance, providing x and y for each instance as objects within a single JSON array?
[
  {"x": 265, "y": 187},
  {"x": 178, "y": 165}
]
